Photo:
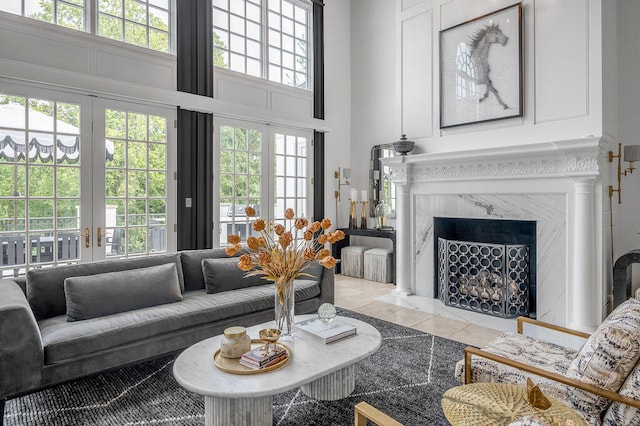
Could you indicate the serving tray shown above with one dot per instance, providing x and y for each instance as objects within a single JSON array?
[{"x": 233, "y": 366}]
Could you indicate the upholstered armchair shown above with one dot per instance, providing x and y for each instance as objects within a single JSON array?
[{"x": 601, "y": 380}]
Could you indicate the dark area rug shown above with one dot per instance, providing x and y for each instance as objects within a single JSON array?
[{"x": 405, "y": 378}]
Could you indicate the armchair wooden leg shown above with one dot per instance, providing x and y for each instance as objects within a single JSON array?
[{"x": 364, "y": 412}]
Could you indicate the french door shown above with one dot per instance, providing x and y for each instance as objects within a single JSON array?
[
  {"x": 81, "y": 179},
  {"x": 268, "y": 168}
]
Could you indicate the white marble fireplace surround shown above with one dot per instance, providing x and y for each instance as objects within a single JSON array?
[{"x": 556, "y": 184}]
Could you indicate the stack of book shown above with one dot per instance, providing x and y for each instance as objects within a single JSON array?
[
  {"x": 258, "y": 358},
  {"x": 337, "y": 330}
]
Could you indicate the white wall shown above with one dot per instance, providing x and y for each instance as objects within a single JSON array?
[
  {"x": 374, "y": 61},
  {"x": 627, "y": 214},
  {"x": 337, "y": 68}
]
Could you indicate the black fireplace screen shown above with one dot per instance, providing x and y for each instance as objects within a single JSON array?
[{"x": 481, "y": 277}]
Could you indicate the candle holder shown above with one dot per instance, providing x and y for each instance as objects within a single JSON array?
[
  {"x": 363, "y": 219},
  {"x": 353, "y": 221}
]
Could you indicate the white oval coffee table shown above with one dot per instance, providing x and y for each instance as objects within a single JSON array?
[{"x": 322, "y": 371}]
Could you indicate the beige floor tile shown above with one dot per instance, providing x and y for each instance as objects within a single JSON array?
[
  {"x": 359, "y": 295},
  {"x": 440, "y": 326},
  {"x": 475, "y": 335},
  {"x": 351, "y": 303},
  {"x": 407, "y": 317},
  {"x": 377, "y": 309}
]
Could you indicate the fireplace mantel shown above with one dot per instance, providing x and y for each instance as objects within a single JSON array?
[{"x": 558, "y": 184}]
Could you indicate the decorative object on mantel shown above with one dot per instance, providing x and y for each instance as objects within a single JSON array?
[
  {"x": 382, "y": 213},
  {"x": 481, "y": 69},
  {"x": 403, "y": 146},
  {"x": 631, "y": 154},
  {"x": 282, "y": 255}
]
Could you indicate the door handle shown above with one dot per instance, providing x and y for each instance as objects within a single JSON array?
[
  {"x": 99, "y": 237},
  {"x": 87, "y": 235}
]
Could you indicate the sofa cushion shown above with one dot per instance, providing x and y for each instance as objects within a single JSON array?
[
  {"x": 192, "y": 266},
  {"x": 224, "y": 275},
  {"x": 608, "y": 355},
  {"x": 64, "y": 341},
  {"x": 106, "y": 294},
  {"x": 45, "y": 287}
]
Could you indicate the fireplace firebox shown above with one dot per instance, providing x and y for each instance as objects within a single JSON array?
[{"x": 486, "y": 265}]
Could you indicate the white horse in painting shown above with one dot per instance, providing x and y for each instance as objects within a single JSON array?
[{"x": 480, "y": 44}]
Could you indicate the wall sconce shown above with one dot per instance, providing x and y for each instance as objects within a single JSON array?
[
  {"x": 631, "y": 154},
  {"x": 339, "y": 176}
]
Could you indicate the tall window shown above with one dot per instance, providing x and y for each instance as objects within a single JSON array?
[
  {"x": 267, "y": 169},
  {"x": 39, "y": 182},
  {"x": 135, "y": 183},
  {"x": 264, "y": 38},
  {"x": 240, "y": 171},
  {"x": 145, "y": 23}
]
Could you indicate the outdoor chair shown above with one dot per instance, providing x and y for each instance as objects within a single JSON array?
[{"x": 600, "y": 381}]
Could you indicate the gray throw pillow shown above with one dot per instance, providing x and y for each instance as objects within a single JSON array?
[
  {"x": 224, "y": 274},
  {"x": 105, "y": 294}
]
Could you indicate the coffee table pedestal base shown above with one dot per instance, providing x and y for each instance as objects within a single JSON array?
[
  {"x": 337, "y": 385},
  {"x": 238, "y": 412}
]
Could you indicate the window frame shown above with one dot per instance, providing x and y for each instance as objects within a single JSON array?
[
  {"x": 265, "y": 44},
  {"x": 91, "y": 21}
]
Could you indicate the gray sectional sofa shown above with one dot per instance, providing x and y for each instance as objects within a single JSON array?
[{"x": 63, "y": 323}]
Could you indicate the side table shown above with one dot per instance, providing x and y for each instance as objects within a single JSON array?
[{"x": 489, "y": 404}]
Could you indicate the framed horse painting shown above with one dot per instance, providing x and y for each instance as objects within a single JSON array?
[{"x": 481, "y": 69}]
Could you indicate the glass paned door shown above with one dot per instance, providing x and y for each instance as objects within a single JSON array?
[
  {"x": 135, "y": 181},
  {"x": 41, "y": 156},
  {"x": 240, "y": 169},
  {"x": 267, "y": 169}
]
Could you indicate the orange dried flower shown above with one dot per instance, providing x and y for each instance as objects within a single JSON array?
[
  {"x": 245, "y": 262},
  {"x": 323, "y": 253},
  {"x": 279, "y": 229},
  {"x": 230, "y": 250},
  {"x": 262, "y": 242},
  {"x": 233, "y": 239},
  {"x": 328, "y": 262},
  {"x": 264, "y": 258},
  {"x": 253, "y": 243},
  {"x": 301, "y": 223},
  {"x": 309, "y": 254},
  {"x": 339, "y": 234},
  {"x": 331, "y": 237},
  {"x": 326, "y": 223},
  {"x": 289, "y": 214},
  {"x": 308, "y": 235},
  {"x": 259, "y": 225},
  {"x": 322, "y": 239},
  {"x": 250, "y": 211},
  {"x": 285, "y": 239},
  {"x": 315, "y": 226}
]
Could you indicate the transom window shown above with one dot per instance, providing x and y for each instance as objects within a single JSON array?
[
  {"x": 145, "y": 23},
  {"x": 264, "y": 38},
  {"x": 141, "y": 22}
]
